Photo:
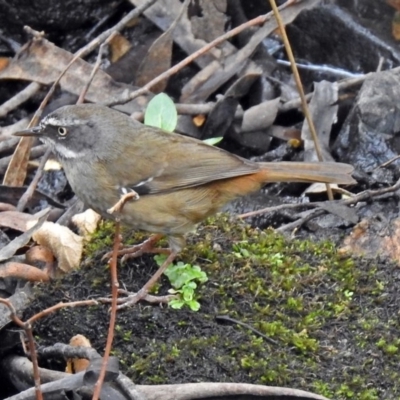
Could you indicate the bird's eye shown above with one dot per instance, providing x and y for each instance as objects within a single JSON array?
[{"x": 62, "y": 131}]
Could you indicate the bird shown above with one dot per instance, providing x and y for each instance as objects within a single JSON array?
[{"x": 175, "y": 181}]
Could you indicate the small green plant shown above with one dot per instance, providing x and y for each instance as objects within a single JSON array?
[
  {"x": 161, "y": 113},
  {"x": 183, "y": 278}
]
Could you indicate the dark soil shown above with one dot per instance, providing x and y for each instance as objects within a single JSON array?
[{"x": 335, "y": 320}]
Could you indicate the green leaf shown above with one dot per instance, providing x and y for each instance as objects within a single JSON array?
[
  {"x": 194, "y": 305},
  {"x": 183, "y": 278},
  {"x": 161, "y": 113},
  {"x": 177, "y": 304},
  {"x": 213, "y": 141}
]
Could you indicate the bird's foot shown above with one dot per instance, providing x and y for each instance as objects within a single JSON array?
[
  {"x": 143, "y": 294},
  {"x": 148, "y": 246}
]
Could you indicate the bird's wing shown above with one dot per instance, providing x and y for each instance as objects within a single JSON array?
[{"x": 155, "y": 162}]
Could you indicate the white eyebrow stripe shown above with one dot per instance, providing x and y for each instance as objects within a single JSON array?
[{"x": 60, "y": 122}]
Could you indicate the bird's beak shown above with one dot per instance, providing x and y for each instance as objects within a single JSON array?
[{"x": 36, "y": 131}]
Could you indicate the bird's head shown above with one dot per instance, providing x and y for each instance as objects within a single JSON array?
[{"x": 76, "y": 131}]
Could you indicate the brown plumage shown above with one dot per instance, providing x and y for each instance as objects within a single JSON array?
[{"x": 180, "y": 180}]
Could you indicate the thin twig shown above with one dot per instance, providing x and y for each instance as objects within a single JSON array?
[
  {"x": 387, "y": 163},
  {"x": 342, "y": 85},
  {"x": 173, "y": 70},
  {"x": 27, "y": 326},
  {"x": 295, "y": 224},
  {"x": 19, "y": 98},
  {"x": 113, "y": 314},
  {"x": 23, "y": 201},
  {"x": 366, "y": 195},
  {"x": 34, "y": 87},
  {"x": 95, "y": 68},
  {"x": 300, "y": 89},
  {"x": 34, "y": 359},
  {"x": 149, "y": 298},
  {"x": 245, "y": 325},
  {"x": 26, "y": 143},
  {"x": 278, "y": 208},
  {"x": 59, "y": 306}
]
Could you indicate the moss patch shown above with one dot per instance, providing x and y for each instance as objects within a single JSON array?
[{"x": 335, "y": 320}]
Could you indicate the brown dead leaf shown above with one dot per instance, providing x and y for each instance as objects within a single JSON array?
[
  {"x": 11, "y": 248},
  {"x": 16, "y": 171},
  {"x": 217, "y": 73},
  {"x": 86, "y": 222},
  {"x": 164, "y": 13},
  {"x": 4, "y": 61},
  {"x": 40, "y": 254},
  {"x": 7, "y": 207},
  {"x": 199, "y": 120},
  {"x": 23, "y": 271},
  {"x": 75, "y": 365},
  {"x": 260, "y": 116},
  {"x": 44, "y": 255},
  {"x": 396, "y": 25},
  {"x": 323, "y": 109},
  {"x": 394, "y": 3},
  {"x": 286, "y": 133},
  {"x": 41, "y": 61},
  {"x": 373, "y": 237},
  {"x": 16, "y": 220},
  {"x": 157, "y": 61},
  {"x": 159, "y": 55},
  {"x": 66, "y": 246},
  {"x": 119, "y": 46},
  {"x": 210, "y": 19}
]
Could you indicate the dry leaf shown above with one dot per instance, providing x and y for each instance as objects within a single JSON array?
[
  {"x": 86, "y": 222},
  {"x": 211, "y": 19},
  {"x": 16, "y": 220},
  {"x": 23, "y": 271},
  {"x": 157, "y": 61},
  {"x": 4, "y": 61},
  {"x": 164, "y": 13},
  {"x": 41, "y": 254},
  {"x": 217, "y": 73},
  {"x": 394, "y": 3},
  {"x": 52, "y": 165},
  {"x": 41, "y": 61},
  {"x": 396, "y": 25},
  {"x": 66, "y": 246},
  {"x": 119, "y": 46},
  {"x": 286, "y": 133},
  {"x": 319, "y": 188},
  {"x": 323, "y": 110},
  {"x": 260, "y": 116},
  {"x": 10, "y": 249},
  {"x": 75, "y": 365},
  {"x": 7, "y": 207},
  {"x": 374, "y": 237},
  {"x": 199, "y": 120},
  {"x": 17, "y": 168},
  {"x": 159, "y": 55}
]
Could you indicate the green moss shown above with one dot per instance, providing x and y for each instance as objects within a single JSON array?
[{"x": 324, "y": 311}]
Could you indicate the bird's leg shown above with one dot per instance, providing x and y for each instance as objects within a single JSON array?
[
  {"x": 148, "y": 246},
  {"x": 143, "y": 292}
]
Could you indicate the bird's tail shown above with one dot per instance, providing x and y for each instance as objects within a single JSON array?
[{"x": 325, "y": 172}]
